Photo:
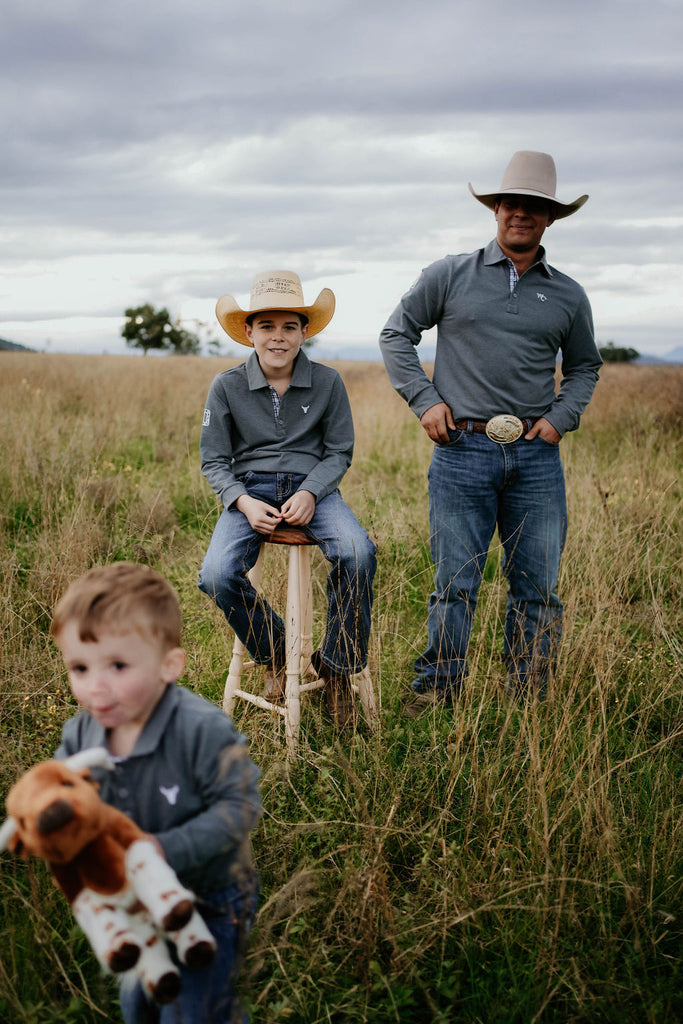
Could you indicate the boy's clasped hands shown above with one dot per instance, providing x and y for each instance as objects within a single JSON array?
[{"x": 264, "y": 518}]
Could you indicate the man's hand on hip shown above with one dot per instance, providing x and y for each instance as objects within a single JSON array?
[
  {"x": 437, "y": 421},
  {"x": 542, "y": 428}
]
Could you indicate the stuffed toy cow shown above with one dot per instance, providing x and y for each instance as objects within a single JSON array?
[{"x": 123, "y": 893}]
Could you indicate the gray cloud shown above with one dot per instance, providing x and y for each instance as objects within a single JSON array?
[{"x": 172, "y": 147}]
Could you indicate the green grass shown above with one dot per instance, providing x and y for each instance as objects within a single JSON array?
[{"x": 493, "y": 863}]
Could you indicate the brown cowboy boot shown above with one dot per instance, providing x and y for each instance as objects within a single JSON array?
[
  {"x": 339, "y": 698},
  {"x": 275, "y": 685}
]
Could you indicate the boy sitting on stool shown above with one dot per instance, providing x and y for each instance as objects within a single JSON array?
[{"x": 277, "y": 438}]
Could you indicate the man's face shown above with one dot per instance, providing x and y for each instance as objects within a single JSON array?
[
  {"x": 521, "y": 222},
  {"x": 277, "y": 337}
]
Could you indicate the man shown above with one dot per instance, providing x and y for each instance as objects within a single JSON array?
[{"x": 502, "y": 314}]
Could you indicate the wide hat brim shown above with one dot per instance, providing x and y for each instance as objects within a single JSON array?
[
  {"x": 530, "y": 173},
  {"x": 560, "y": 209},
  {"x": 233, "y": 318}
]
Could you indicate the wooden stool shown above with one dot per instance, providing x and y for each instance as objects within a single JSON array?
[{"x": 298, "y": 643}]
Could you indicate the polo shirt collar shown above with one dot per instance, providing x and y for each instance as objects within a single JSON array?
[
  {"x": 301, "y": 376},
  {"x": 157, "y": 723},
  {"x": 154, "y": 728},
  {"x": 494, "y": 254}
]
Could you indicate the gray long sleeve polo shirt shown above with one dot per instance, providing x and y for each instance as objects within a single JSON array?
[
  {"x": 189, "y": 781},
  {"x": 496, "y": 349},
  {"x": 313, "y": 433}
]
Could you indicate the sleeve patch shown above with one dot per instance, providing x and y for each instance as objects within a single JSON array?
[{"x": 207, "y": 418}]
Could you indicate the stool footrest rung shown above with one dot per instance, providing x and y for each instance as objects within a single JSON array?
[
  {"x": 315, "y": 684},
  {"x": 261, "y": 702}
]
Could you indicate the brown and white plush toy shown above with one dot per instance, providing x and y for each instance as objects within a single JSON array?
[{"x": 123, "y": 893}]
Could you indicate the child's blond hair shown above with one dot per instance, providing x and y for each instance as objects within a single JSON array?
[{"x": 120, "y": 598}]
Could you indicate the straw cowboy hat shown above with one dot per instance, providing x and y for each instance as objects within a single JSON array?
[
  {"x": 530, "y": 174},
  {"x": 276, "y": 290}
]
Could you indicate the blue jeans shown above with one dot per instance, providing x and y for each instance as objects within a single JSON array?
[
  {"x": 207, "y": 995},
  {"x": 476, "y": 484},
  {"x": 345, "y": 544}
]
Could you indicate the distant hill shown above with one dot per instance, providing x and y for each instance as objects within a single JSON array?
[
  {"x": 675, "y": 356},
  {"x": 12, "y": 346}
]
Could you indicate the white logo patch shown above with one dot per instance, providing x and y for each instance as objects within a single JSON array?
[
  {"x": 305, "y": 408},
  {"x": 207, "y": 418},
  {"x": 170, "y": 794},
  {"x": 541, "y": 297}
]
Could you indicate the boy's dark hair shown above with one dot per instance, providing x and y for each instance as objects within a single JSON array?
[
  {"x": 120, "y": 598},
  {"x": 250, "y": 319}
]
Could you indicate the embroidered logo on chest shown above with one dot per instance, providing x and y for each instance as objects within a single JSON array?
[
  {"x": 305, "y": 408},
  {"x": 171, "y": 793},
  {"x": 541, "y": 297}
]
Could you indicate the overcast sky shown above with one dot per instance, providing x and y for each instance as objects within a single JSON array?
[{"x": 165, "y": 152}]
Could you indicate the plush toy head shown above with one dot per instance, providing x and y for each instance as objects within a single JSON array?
[{"x": 55, "y": 811}]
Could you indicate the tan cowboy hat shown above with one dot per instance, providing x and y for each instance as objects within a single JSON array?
[
  {"x": 530, "y": 174},
  {"x": 276, "y": 290}
]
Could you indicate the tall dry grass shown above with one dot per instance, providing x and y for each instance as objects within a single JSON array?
[{"x": 495, "y": 863}]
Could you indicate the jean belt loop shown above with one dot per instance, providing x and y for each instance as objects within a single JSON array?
[{"x": 470, "y": 426}]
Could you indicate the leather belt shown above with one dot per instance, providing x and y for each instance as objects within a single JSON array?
[{"x": 502, "y": 429}]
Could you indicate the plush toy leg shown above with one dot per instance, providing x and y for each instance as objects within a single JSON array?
[
  {"x": 107, "y": 928},
  {"x": 156, "y": 885},
  {"x": 194, "y": 943},
  {"x": 156, "y": 972}
]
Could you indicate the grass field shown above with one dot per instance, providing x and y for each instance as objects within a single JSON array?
[{"x": 492, "y": 863}]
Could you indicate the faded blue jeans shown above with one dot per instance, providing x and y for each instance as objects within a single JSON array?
[
  {"x": 207, "y": 996},
  {"x": 345, "y": 544},
  {"x": 476, "y": 484}
]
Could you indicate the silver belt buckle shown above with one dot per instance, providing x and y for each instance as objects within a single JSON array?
[{"x": 504, "y": 429}]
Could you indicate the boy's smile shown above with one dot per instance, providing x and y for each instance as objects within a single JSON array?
[
  {"x": 277, "y": 337},
  {"x": 119, "y": 678}
]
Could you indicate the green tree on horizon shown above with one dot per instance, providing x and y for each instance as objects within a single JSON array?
[
  {"x": 612, "y": 353},
  {"x": 149, "y": 328}
]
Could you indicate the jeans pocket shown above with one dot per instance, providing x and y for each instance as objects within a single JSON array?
[{"x": 454, "y": 437}]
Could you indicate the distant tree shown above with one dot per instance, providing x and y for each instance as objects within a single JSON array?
[
  {"x": 183, "y": 343},
  {"x": 612, "y": 353},
  {"x": 150, "y": 328},
  {"x": 207, "y": 338},
  {"x": 214, "y": 346}
]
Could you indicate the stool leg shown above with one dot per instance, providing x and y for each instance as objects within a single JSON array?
[
  {"x": 234, "y": 677},
  {"x": 306, "y": 603},
  {"x": 366, "y": 692},
  {"x": 293, "y": 641}
]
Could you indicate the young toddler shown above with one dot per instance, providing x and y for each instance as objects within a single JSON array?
[{"x": 182, "y": 771}]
